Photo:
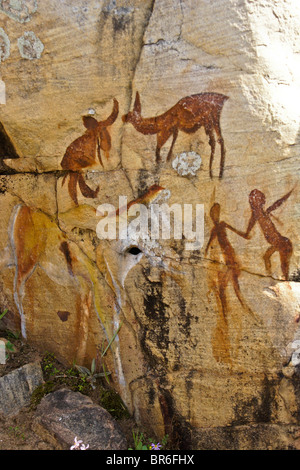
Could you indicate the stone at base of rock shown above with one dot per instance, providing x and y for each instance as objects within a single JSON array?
[
  {"x": 63, "y": 415},
  {"x": 17, "y": 387}
]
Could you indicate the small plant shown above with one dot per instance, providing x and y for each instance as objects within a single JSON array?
[
  {"x": 48, "y": 363},
  {"x": 13, "y": 334},
  {"x": 90, "y": 374},
  {"x": 140, "y": 444},
  {"x": 104, "y": 351},
  {"x": 155, "y": 446},
  {"x": 3, "y": 313},
  {"x": 16, "y": 432},
  {"x": 10, "y": 348},
  {"x": 138, "y": 440}
]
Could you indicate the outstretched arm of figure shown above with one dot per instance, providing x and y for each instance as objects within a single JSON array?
[
  {"x": 213, "y": 235},
  {"x": 278, "y": 202},
  {"x": 251, "y": 224},
  {"x": 238, "y": 232}
]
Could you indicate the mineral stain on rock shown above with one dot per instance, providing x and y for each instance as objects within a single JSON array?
[
  {"x": 63, "y": 315},
  {"x": 155, "y": 335},
  {"x": 64, "y": 248}
]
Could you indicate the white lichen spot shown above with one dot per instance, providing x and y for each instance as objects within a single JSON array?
[
  {"x": 30, "y": 46},
  {"x": 187, "y": 163},
  {"x": 4, "y": 45},
  {"x": 19, "y": 10}
]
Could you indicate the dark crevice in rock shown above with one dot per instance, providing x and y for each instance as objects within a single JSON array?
[
  {"x": 7, "y": 149},
  {"x": 295, "y": 276}
]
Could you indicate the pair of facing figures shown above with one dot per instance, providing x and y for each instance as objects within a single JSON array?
[
  {"x": 261, "y": 215},
  {"x": 277, "y": 242}
]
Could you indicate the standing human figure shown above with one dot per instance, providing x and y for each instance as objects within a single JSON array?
[
  {"x": 221, "y": 342},
  {"x": 278, "y": 242}
]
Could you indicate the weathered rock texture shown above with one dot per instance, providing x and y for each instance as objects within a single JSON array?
[
  {"x": 17, "y": 387},
  {"x": 207, "y": 334},
  {"x": 63, "y": 415}
]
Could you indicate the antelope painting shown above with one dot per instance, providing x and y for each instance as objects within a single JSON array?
[
  {"x": 188, "y": 115},
  {"x": 83, "y": 151}
]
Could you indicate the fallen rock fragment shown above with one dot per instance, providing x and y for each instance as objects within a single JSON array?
[
  {"x": 65, "y": 415},
  {"x": 17, "y": 387}
]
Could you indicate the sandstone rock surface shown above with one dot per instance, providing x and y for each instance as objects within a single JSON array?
[{"x": 100, "y": 104}]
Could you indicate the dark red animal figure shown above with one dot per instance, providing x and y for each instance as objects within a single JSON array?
[
  {"x": 188, "y": 115},
  {"x": 82, "y": 153}
]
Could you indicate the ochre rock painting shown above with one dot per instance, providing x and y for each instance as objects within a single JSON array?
[
  {"x": 188, "y": 115},
  {"x": 145, "y": 199},
  {"x": 221, "y": 341},
  {"x": 278, "y": 242},
  {"x": 83, "y": 151},
  {"x": 36, "y": 240},
  {"x": 210, "y": 336}
]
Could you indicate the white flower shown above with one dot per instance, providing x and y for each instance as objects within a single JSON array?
[
  {"x": 84, "y": 447},
  {"x": 78, "y": 445}
]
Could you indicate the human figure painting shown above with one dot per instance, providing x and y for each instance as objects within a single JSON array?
[
  {"x": 231, "y": 272},
  {"x": 277, "y": 241},
  {"x": 228, "y": 274}
]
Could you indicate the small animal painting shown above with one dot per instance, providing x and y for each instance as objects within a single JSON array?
[{"x": 83, "y": 152}]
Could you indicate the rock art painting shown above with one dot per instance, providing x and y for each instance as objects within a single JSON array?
[
  {"x": 83, "y": 152},
  {"x": 221, "y": 342},
  {"x": 278, "y": 242},
  {"x": 36, "y": 240},
  {"x": 188, "y": 115},
  {"x": 173, "y": 124}
]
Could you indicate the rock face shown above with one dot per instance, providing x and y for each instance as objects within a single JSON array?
[
  {"x": 17, "y": 387},
  {"x": 63, "y": 415},
  {"x": 183, "y": 105}
]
